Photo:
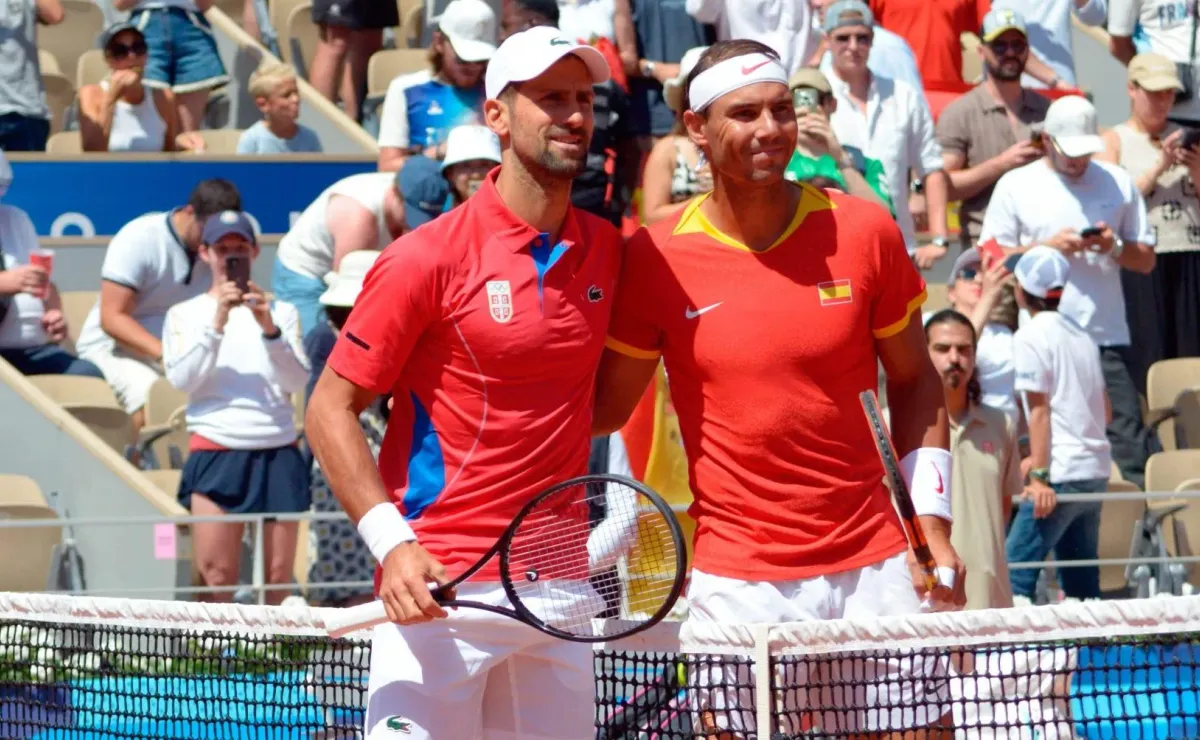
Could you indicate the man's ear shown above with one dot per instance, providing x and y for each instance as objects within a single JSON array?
[
  {"x": 497, "y": 115},
  {"x": 694, "y": 123}
]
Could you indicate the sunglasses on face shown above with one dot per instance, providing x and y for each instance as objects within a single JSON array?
[
  {"x": 844, "y": 38},
  {"x": 120, "y": 51},
  {"x": 968, "y": 273},
  {"x": 1006, "y": 47}
]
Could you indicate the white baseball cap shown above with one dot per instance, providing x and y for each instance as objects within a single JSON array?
[
  {"x": 526, "y": 55},
  {"x": 673, "y": 88},
  {"x": 1071, "y": 122},
  {"x": 1042, "y": 272},
  {"x": 346, "y": 283},
  {"x": 470, "y": 26},
  {"x": 465, "y": 143}
]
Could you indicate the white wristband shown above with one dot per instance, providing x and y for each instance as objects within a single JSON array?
[
  {"x": 927, "y": 472},
  {"x": 383, "y": 528}
]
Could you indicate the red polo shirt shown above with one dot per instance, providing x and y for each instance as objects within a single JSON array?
[{"x": 487, "y": 336}]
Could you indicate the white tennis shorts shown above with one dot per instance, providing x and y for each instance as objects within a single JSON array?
[
  {"x": 480, "y": 675},
  {"x": 835, "y": 694}
]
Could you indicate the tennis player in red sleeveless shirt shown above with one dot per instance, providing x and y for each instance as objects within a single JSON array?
[
  {"x": 486, "y": 326},
  {"x": 772, "y": 304}
]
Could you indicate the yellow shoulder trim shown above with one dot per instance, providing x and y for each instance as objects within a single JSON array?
[
  {"x": 692, "y": 221},
  {"x": 897, "y": 327},
  {"x": 629, "y": 350}
]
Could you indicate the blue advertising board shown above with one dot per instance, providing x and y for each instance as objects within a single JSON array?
[{"x": 97, "y": 197}]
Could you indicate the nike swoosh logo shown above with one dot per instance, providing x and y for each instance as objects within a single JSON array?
[
  {"x": 747, "y": 70},
  {"x": 690, "y": 314},
  {"x": 940, "y": 488}
]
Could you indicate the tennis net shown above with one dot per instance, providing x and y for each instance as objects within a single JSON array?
[{"x": 79, "y": 667}]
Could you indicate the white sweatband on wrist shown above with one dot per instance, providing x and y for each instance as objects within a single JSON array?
[
  {"x": 926, "y": 470},
  {"x": 383, "y": 528},
  {"x": 724, "y": 77}
]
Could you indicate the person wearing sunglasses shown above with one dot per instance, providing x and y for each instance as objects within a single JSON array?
[
  {"x": 991, "y": 129},
  {"x": 122, "y": 114}
]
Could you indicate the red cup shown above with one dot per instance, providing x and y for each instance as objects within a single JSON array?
[{"x": 43, "y": 258}]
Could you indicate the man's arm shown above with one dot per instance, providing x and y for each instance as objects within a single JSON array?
[
  {"x": 352, "y": 226},
  {"x": 1043, "y": 73},
  {"x": 50, "y": 12},
  {"x": 1091, "y": 12},
  {"x": 621, "y": 382},
  {"x": 1123, "y": 16},
  {"x": 937, "y": 197},
  {"x": 116, "y": 319},
  {"x": 394, "y": 143}
]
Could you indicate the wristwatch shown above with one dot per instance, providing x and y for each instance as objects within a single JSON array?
[
  {"x": 1118, "y": 247},
  {"x": 1042, "y": 474},
  {"x": 273, "y": 335},
  {"x": 940, "y": 241},
  {"x": 647, "y": 68}
]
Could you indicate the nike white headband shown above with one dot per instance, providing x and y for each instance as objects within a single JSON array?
[{"x": 732, "y": 74}]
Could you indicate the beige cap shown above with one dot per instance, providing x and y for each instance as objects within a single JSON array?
[
  {"x": 1154, "y": 72},
  {"x": 810, "y": 77}
]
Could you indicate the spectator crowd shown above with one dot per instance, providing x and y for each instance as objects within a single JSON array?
[{"x": 1072, "y": 266}]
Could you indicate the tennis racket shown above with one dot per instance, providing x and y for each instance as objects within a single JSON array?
[
  {"x": 604, "y": 531},
  {"x": 900, "y": 493}
]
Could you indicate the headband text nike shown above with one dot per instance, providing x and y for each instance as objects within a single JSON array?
[{"x": 733, "y": 74}]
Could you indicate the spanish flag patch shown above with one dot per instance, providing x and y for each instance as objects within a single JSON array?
[{"x": 835, "y": 292}]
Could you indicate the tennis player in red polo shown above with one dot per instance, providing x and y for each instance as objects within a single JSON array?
[
  {"x": 772, "y": 304},
  {"x": 486, "y": 326}
]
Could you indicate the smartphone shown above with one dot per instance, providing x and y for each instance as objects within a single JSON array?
[
  {"x": 1010, "y": 263},
  {"x": 806, "y": 98},
  {"x": 1191, "y": 137},
  {"x": 237, "y": 269},
  {"x": 1035, "y": 138},
  {"x": 1090, "y": 232}
]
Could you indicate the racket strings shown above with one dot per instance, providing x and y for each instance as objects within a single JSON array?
[{"x": 593, "y": 551}]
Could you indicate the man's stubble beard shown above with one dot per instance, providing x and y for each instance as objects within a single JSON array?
[{"x": 997, "y": 72}]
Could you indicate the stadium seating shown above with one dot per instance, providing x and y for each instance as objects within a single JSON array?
[
  {"x": 78, "y": 33},
  {"x": 48, "y": 63},
  {"x": 92, "y": 402},
  {"x": 1178, "y": 470},
  {"x": 935, "y": 297},
  {"x": 163, "y": 442},
  {"x": 91, "y": 68},
  {"x": 60, "y": 96},
  {"x": 26, "y": 552},
  {"x": 65, "y": 142},
  {"x": 1165, "y": 381},
  {"x": 383, "y": 67},
  {"x": 1118, "y": 521},
  {"x": 300, "y": 39},
  {"x": 412, "y": 23},
  {"x": 76, "y": 305},
  {"x": 220, "y": 140}
]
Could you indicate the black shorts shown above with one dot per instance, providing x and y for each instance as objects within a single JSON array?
[{"x": 356, "y": 15}]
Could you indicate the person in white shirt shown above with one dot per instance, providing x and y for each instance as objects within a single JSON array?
[
  {"x": 1092, "y": 212},
  {"x": 1171, "y": 28},
  {"x": 150, "y": 266},
  {"x": 357, "y": 212},
  {"x": 1058, "y": 371},
  {"x": 982, "y": 294},
  {"x": 784, "y": 25},
  {"x": 1050, "y": 32},
  {"x": 888, "y": 120},
  {"x": 890, "y": 55},
  {"x": 239, "y": 357},
  {"x": 31, "y": 318}
]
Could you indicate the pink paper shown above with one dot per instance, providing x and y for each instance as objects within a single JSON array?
[{"x": 164, "y": 541}]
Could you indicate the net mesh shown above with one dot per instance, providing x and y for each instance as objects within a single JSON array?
[{"x": 113, "y": 668}]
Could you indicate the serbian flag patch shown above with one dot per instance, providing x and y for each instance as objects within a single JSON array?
[{"x": 834, "y": 292}]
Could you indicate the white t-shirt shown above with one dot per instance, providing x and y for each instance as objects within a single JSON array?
[
  {"x": 1055, "y": 356},
  {"x": 582, "y": 19},
  {"x": 22, "y": 325},
  {"x": 1033, "y": 203},
  {"x": 898, "y": 130},
  {"x": 1168, "y": 26},
  {"x": 149, "y": 257},
  {"x": 307, "y": 248},
  {"x": 784, "y": 25},
  {"x": 238, "y": 383}
]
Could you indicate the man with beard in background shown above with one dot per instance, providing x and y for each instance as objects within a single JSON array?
[
  {"x": 987, "y": 462},
  {"x": 989, "y": 131}
]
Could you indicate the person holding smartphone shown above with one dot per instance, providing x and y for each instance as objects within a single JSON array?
[
  {"x": 819, "y": 154},
  {"x": 239, "y": 358}
]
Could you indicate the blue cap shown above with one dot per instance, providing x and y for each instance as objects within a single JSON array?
[
  {"x": 847, "y": 13},
  {"x": 225, "y": 223},
  {"x": 423, "y": 189}
]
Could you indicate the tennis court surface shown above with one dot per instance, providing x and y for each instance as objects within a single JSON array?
[{"x": 89, "y": 668}]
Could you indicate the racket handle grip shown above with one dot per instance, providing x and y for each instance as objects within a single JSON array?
[{"x": 341, "y": 622}]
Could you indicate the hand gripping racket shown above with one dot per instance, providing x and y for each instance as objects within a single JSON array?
[
  {"x": 590, "y": 547},
  {"x": 900, "y": 493}
]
